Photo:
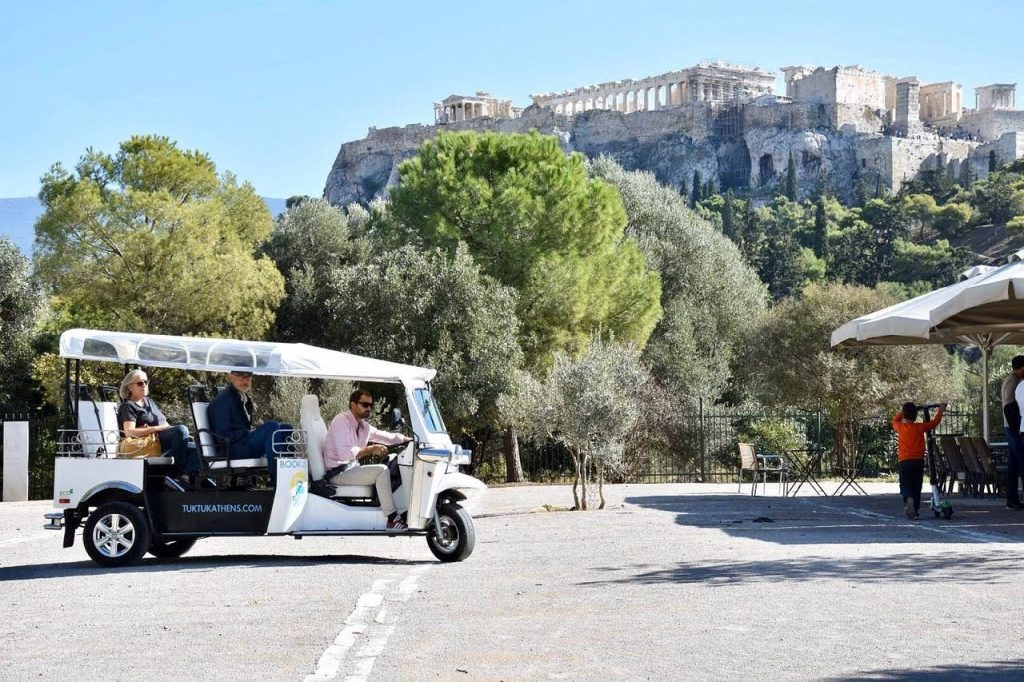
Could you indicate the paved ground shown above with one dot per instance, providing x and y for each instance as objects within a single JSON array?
[{"x": 669, "y": 582}]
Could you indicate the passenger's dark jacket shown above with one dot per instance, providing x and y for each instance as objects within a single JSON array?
[{"x": 229, "y": 417}]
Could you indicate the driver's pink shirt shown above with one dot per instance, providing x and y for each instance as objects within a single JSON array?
[{"x": 347, "y": 437}]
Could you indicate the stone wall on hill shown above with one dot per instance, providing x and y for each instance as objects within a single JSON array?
[{"x": 743, "y": 146}]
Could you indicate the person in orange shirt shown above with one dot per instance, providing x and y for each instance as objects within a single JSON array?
[{"x": 911, "y": 454}]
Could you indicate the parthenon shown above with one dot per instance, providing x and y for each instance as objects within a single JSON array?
[{"x": 706, "y": 82}]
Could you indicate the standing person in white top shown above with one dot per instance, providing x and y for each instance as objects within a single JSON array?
[
  {"x": 348, "y": 441},
  {"x": 1013, "y": 399}
]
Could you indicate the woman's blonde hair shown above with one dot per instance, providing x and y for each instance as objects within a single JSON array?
[{"x": 129, "y": 379}]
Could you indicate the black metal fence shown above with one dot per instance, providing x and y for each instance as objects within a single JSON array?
[{"x": 705, "y": 449}]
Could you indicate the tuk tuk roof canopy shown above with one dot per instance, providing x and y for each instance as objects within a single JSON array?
[{"x": 225, "y": 355}]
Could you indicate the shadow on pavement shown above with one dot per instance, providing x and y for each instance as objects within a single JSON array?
[
  {"x": 916, "y": 568},
  {"x": 993, "y": 670},
  {"x": 845, "y": 520},
  {"x": 151, "y": 565}
]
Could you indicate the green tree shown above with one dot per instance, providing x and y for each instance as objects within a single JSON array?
[
  {"x": 709, "y": 294},
  {"x": 781, "y": 264},
  {"x": 890, "y": 221},
  {"x": 695, "y": 188},
  {"x": 21, "y": 302},
  {"x": 753, "y": 236},
  {"x": 589, "y": 403},
  {"x": 311, "y": 240},
  {"x": 791, "y": 180},
  {"x": 920, "y": 210},
  {"x": 952, "y": 218},
  {"x": 430, "y": 309},
  {"x": 819, "y": 243},
  {"x": 534, "y": 221},
  {"x": 998, "y": 198},
  {"x": 846, "y": 384},
  {"x": 938, "y": 263},
  {"x": 152, "y": 239},
  {"x": 728, "y": 218},
  {"x": 993, "y": 161}
]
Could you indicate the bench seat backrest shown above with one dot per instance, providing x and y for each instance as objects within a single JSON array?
[
  {"x": 203, "y": 436},
  {"x": 98, "y": 429},
  {"x": 316, "y": 433}
]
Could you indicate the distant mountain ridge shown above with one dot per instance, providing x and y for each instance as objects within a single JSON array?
[{"x": 18, "y": 218}]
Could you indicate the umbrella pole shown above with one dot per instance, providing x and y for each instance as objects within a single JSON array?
[{"x": 985, "y": 350}]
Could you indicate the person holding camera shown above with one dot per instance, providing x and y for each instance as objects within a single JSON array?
[{"x": 911, "y": 454}]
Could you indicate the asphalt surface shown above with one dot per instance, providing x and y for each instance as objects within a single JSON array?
[{"x": 668, "y": 582}]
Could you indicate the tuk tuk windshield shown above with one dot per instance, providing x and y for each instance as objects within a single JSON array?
[{"x": 428, "y": 408}]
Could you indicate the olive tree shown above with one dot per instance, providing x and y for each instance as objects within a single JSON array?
[
  {"x": 710, "y": 296},
  {"x": 21, "y": 302},
  {"x": 793, "y": 365},
  {"x": 404, "y": 304},
  {"x": 589, "y": 403}
]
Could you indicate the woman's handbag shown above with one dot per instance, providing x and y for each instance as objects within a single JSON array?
[{"x": 137, "y": 448}]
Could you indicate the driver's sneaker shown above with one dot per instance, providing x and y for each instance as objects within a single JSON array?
[{"x": 396, "y": 523}]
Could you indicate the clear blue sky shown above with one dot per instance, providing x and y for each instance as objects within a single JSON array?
[{"x": 271, "y": 89}]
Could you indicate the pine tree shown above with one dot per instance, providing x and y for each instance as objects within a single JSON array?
[
  {"x": 696, "y": 188},
  {"x": 728, "y": 221},
  {"x": 751, "y": 241},
  {"x": 791, "y": 189},
  {"x": 820, "y": 230},
  {"x": 993, "y": 161}
]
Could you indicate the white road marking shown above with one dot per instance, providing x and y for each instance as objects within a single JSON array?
[
  {"x": 370, "y": 625},
  {"x": 977, "y": 536}
]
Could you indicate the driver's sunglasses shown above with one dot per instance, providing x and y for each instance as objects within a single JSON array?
[
  {"x": 142, "y": 383},
  {"x": 365, "y": 404}
]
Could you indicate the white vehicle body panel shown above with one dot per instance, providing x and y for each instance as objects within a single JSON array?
[{"x": 75, "y": 478}]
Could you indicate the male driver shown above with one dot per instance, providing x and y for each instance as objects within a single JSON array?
[
  {"x": 347, "y": 443},
  {"x": 230, "y": 416},
  {"x": 1011, "y": 422}
]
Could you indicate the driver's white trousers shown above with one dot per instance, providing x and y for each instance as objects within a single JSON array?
[{"x": 366, "y": 474}]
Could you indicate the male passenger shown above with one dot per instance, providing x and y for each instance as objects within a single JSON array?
[
  {"x": 347, "y": 443},
  {"x": 230, "y": 416},
  {"x": 1011, "y": 422}
]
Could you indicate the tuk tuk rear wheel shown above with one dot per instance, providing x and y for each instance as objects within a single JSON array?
[
  {"x": 116, "y": 534},
  {"x": 171, "y": 549},
  {"x": 452, "y": 535}
]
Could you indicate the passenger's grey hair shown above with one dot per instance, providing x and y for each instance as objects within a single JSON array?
[{"x": 129, "y": 379}]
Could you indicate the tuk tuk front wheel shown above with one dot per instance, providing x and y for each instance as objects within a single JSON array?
[
  {"x": 452, "y": 536},
  {"x": 171, "y": 549},
  {"x": 116, "y": 534}
]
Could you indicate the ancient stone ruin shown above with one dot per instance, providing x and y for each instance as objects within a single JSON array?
[{"x": 843, "y": 126}]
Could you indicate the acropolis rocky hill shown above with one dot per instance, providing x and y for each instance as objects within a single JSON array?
[{"x": 848, "y": 124}]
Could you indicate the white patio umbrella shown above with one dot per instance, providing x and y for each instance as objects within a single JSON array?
[{"x": 984, "y": 309}]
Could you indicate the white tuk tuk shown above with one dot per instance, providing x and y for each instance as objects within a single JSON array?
[{"x": 132, "y": 506}]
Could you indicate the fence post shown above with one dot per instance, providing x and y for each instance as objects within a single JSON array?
[
  {"x": 15, "y": 461},
  {"x": 703, "y": 440}
]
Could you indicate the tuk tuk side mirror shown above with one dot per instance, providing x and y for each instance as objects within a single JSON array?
[{"x": 395, "y": 419}]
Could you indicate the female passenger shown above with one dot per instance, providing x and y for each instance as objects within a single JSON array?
[{"x": 146, "y": 431}]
